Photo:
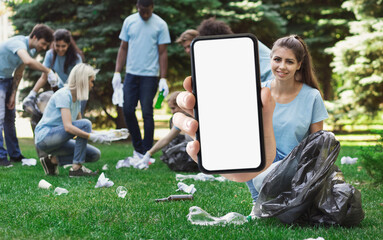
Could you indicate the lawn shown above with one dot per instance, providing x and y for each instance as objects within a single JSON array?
[{"x": 28, "y": 212}]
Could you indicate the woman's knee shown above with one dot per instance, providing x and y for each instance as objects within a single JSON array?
[
  {"x": 83, "y": 124},
  {"x": 93, "y": 155}
]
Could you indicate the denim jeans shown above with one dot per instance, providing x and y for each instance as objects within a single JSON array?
[
  {"x": 62, "y": 145},
  {"x": 141, "y": 88},
  {"x": 7, "y": 122},
  {"x": 250, "y": 183}
]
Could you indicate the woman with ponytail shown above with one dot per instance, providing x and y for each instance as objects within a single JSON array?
[{"x": 299, "y": 109}]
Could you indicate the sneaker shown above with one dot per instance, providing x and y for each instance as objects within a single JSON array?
[
  {"x": 30, "y": 106},
  {"x": 17, "y": 159},
  {"x": 49, "y": 167},
  {"x": 5, "y": 163},
  {"x": 82, "y": 172}
]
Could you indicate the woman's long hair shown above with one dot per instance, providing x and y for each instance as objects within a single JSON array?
[
  {"x": 72, "y": 52},
  {"x": 78, "y": 80},
  {"x": 306, "y": 72}
]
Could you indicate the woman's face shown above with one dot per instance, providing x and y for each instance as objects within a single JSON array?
[
  {"x": 60, "y": 47},
  {"x": 186, "y": 45},
  {"x": 284, "y": 64}
]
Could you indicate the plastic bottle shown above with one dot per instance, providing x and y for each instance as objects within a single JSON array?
[
  {"x": 198, "y": 216},
  {"x": 175, "y": 198},
  {"x": 159, "y": 100},
  {"x": 118, "y": 134}
]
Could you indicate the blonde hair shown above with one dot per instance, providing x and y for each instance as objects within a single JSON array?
[{"x": 78, "y": 80}]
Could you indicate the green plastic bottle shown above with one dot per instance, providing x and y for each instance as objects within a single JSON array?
[{"x": 159, "y": 100}]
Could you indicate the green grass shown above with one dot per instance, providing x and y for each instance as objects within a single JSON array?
[{"x": 27, "y": 212}]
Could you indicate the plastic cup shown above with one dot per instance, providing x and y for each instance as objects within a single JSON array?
[
  {"x": 121, "y": 191},
  {"x": 44, "y": 184}
]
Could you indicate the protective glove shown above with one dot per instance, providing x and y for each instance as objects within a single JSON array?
[
  {"x": 146, "y": 158},
  {"x": 52, "y": 79},
  {"x": 116, "y": 81},
  {"x": 162, "y": 85},
  {"x": 99, "y": 138},
  {"x": 118, "y": 96}
]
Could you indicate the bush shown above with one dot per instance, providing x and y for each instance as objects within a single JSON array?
[{"x": 372, "y": 160}]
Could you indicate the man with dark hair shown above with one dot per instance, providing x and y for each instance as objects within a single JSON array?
[
  {"x": 211, "y": 26},
  {"x": 15, "y": 53},
  {"x": 144, "y": 38}
]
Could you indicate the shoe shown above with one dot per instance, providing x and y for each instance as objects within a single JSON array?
[
  {"x": 49, "y": 167},
  {"x": 82, "y": 172},
  {"x": 5, "y": 163},
  {"x": 30, "y": 106},
  {"x": 18, "y": 159}
]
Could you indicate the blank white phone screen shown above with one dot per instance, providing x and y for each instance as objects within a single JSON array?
[{"x": 227, "y": 102}]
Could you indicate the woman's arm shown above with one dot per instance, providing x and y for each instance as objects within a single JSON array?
[
  {"x": 315, "y": 127},
  {"x": 164, "y": 141},
  {"x": 68, "y": 126}
]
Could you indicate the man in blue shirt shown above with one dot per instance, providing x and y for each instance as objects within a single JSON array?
[
  {"x": 144, "y": 38},
  {"x": 15, "y": 53}
]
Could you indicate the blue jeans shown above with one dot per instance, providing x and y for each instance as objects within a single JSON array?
[
  {"x": 250, "y": 183},
  {"x": 7, "y": 122},
  {"x": 141, "y": 88},
  {"x": 62, "y": 145}
]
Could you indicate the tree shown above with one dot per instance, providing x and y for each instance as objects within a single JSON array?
[{"x": 358, "y": 62}]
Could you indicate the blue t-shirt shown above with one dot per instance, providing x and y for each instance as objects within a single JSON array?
[
  {"x": 58, "y": 66},
  {"x": 52, "y": 113},
  {"x": 9, "y": 60},
  {"x": 143, "y": 38},
  {"x": 264, "y": 62},
  {"x": 291, "y": 121}
]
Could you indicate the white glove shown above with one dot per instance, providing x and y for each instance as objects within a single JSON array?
[
  {"x": 99, "y": 138},
  {"x": 118, "y": 96},
  {"x": 162, "y": 85},
  {"x": 52, "y": 79},
  {"x": 146, "y": 158},
  {"x": 116, "y": 81}
]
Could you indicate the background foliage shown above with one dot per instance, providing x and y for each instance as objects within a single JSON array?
[{"x": 346, "y": 36}]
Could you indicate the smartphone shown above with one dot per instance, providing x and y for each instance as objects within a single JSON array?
[{"x": 226, "y": 84}]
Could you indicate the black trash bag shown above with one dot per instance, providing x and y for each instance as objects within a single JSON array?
[
  {"x": 175, "y": 156},
  {"x": 306, "y": 187}
]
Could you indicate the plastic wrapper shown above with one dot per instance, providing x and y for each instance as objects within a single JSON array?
[
  {"x": 175, "y": 156},
  {"x": 306, "y": 187}
]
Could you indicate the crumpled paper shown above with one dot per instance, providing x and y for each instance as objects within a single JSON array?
[
  {"x": 348, "y": 160},
  {"x": 135, "y": 162},
  {"x": 186, "y": 188},
  {"x": 28, "y": 162},
  {"x": 103, "y": 181},
  {"x": 200, "y": 177},
  {"x": 58, "y": 191}
]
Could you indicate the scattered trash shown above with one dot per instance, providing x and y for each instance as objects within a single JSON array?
[
  {"x": 44, "y": 184},
  {"x": 105, "y": 167},
  {"x": 175, "y": 198},
  {"x": 58, "y": 191},
  {"x": 200, "y": 177},
  {"x": 197, "y": 216},
  {"x": 135, "y": 162},
  {"x": 318, "y": 238},
  {"x": 67, "y": 166},
  {"x": 28, "y": 162},
  {"x": 348, "y": 160},
  {"x": 103, "y": 182},
  {"x": 184, "y": 187},
  {"x": 121, "y": 191}
]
